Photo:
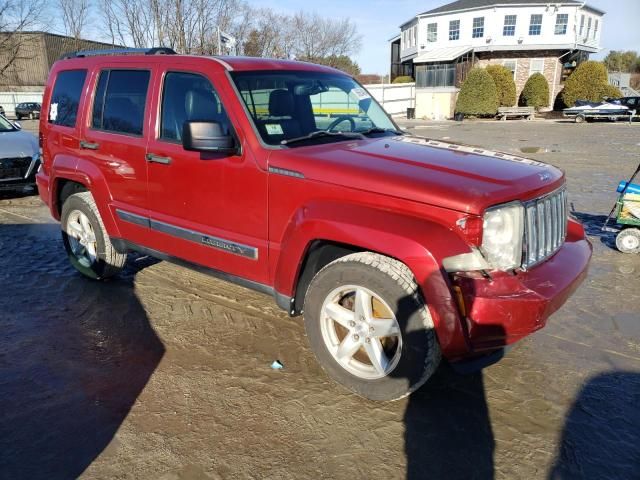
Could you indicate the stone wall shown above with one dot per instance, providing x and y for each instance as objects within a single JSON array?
[{"x": 552, "y": 67}]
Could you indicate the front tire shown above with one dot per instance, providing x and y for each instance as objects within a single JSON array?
[
  {"x": 369, "y": 328},
  {"x": 85, "y": 239}
]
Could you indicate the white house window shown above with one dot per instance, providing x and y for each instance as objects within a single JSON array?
[
  {"x": 511, "y": 65},
  {"x": 581, "y": 25},
  {"x": 588, "y": 28},
  {"x": 562, "y": 20},
  {"x": 537, "y": 66},
  {"x": 595, "y": 29},
  {"x": 415, "y": 35},
  {"x": 509, "y": 29},
  {"x": 535, "y": 27},
  {"x": 454, "y": 30},
  {"x": 478, "y": 27},
  {"x": 412, "y": 38},
  {"x": 432, "y": 32}
]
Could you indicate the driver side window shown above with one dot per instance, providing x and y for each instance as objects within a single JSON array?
[{"x": 189, "y": 97}]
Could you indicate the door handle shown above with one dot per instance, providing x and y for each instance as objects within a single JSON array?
[
  {"x": 152, "y": 158},
  {"x": 88, "y": 145}
]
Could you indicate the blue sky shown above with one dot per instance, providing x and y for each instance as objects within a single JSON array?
[{"x": 378, "y": 20}]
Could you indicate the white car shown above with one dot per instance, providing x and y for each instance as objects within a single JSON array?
[{"x": 19, "y": 156}]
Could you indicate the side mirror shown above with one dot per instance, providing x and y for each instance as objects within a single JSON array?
[{"x": 206, "y": 137}]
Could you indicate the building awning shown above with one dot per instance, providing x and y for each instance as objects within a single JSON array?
[{"x": 446, "y": 54}]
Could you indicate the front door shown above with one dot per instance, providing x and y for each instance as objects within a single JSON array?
[{"x": 207, "y": 208}]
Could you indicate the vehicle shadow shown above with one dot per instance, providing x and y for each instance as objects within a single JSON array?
[
  {"x": 593, "y": 227},
  {"x": 74, "y": 356},
  {"x": 448, "y": 433},
  {"x": 601, "y": 436}
]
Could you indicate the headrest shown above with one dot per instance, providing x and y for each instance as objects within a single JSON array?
[
  {"x": 281, "y": 103},
  {"x": 201, "y": 105}
]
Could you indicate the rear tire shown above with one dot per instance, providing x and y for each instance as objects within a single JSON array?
[
  {"x": 628, "y": 240},
  {"x": 369, "y": 328},
  {"x": 86, "y": 240}
]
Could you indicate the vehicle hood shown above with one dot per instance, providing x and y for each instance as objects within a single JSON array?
[
  {"x": 459, "y": 177},
  {"x": 18, "y": 144}
]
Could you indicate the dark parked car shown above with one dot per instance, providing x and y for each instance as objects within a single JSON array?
[
  {"x": 633, "y": 103},
  {"x": 28, "y": 110},
  {"x": 1, "y": 110}
]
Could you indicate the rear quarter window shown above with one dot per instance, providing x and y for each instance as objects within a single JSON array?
[{"x": 65, "y": 99}]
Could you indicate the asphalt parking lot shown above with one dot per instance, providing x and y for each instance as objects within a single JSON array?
[{"x": 164, "y": 373}]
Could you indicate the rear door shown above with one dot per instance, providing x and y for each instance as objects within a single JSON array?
[
  {"x": 115, "y": 140},
  {"x": 208, "y": 208}
]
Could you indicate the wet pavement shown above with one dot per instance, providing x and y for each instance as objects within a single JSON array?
[{"x": 164, "y": 373}]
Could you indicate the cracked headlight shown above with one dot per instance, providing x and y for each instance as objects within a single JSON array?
[{"x": 502, "y": 234}]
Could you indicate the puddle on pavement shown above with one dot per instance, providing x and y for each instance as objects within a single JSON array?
[
  {"x": 628, "y": 324},
  {"x": 533, "y": 150}
]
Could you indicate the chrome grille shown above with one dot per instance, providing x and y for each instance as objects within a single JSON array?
[{"x": 545, "y": 227}]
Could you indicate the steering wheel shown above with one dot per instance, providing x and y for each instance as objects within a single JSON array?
[{"x": 341, "y": 119}]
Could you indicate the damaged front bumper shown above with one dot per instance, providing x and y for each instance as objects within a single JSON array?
[{"x": 504, "y": 307}]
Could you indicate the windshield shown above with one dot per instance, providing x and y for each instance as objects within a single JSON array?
[
  {"x": 5, "y": 125},
  {"x": 289, "y": 105}
]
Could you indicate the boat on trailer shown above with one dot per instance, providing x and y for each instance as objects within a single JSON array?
[{"x": 607, "y": 110}]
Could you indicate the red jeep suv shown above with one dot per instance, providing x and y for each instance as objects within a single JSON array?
[{"x": 289, "y": 178}]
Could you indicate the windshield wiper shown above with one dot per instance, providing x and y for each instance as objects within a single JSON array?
[
  {"x": 322, "y": 133},
  {"x": 380, "y": 130}
]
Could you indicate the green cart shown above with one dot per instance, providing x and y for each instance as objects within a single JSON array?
[{"x": 626, "y": 211}]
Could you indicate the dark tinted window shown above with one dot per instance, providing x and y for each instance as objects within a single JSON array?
[
  {"x": 189, "y": 97},
  {"x": 65, "y": 99},
  {"x": 120, "y": 101}
]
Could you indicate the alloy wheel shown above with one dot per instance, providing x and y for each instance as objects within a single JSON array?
[
  {"x": 82, "y": 238},
  {"x": 361, "y": 332}
]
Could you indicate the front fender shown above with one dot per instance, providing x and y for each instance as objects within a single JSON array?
[{"x": 419, "y": 243}]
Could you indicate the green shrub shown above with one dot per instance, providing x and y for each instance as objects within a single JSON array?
[
  {"x": 478, "y": 95},
  {"x": 403, "y": 79},
  {"x": 536, "y": 91},
  {"x": 609, "y": 91},
  {"x": 503, "y": 78},
  {"x": 587, "y": 82}
]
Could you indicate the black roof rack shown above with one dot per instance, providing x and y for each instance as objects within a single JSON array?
[{"x": 120, "y": 51}]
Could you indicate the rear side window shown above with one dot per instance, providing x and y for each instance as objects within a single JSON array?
[
  {"x": 120, "y": 101},
  {"x": 65, "y": 99}
]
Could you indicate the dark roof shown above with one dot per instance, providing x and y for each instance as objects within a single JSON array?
[{"x": 471, "y": 4}]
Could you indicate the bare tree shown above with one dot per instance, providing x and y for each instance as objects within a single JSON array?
[
  {"x": 192, "y": 26},
  {"x": 75, "y": 15},
  {"x": 17, "y": 17},
  {"x": 129, "y": 22}
]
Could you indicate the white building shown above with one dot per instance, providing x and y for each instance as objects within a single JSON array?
[{"x": 438, "y": 47}]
